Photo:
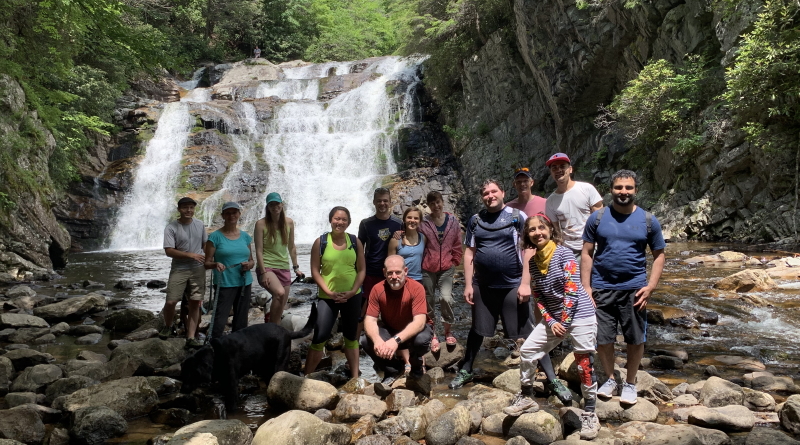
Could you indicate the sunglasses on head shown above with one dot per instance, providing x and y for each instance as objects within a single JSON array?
[{"x": 522, "y": 169}]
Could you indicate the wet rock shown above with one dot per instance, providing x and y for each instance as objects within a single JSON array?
[
  {"x": 352, "y": 407},
  {"x": 362, "y": 427},
  {"x": 96, "y": 424},
  {"x": 759, "y": 436},
  {"x": 59, "y": 436},
  {"x": 758, "y": 401},
  {"x": 685, "y": 400},
  {"x": 655, "y": 317},
  {"x": 128, "y": 320},
  {"x": 36, "y": 378},
  {"x": 141, "y": 335},
  {"x": 125, "y": 285},
  {"x": 45, "y": 339},
  {"x": 163, "y": 385},
  {"x": 22, "y": 424},
  {"x": 20, "y": 398},
  {"x": 399, "y": 399},
  {"x": 354, "y": 385},
  {"x": 85, "y": 329},
  {"x": 114, "y": 344},
  {"x": 68, "y": 385},
  {"x": 392, "y": 427},
  {"x": 537, "y": 428},
  {"x": 336, "y": 342},
  {"x": 707, "y": 317},
  {"x": 295, "y": 392},
  {"x": 508, "y": 381},
  {"x": 684, "y": 322},
  {"x": 324, "y": 414},
  {"x": 790, "y": 414},
  {"x": 672, "y": 352},
  {"x": 448, "y": 428},
  {"x": 225, "y": 432},
  {"x": 718, "y": 392},
  {"x": 171, "y": 416},
  {"x": 59, "y": 328},
  {"x": 766, "y": 381},
  {"x": 16, "y": 321},
  {"x": 666, "y": 362},
  {"x": 300, "y": 428},
  {"x": 643, "y": 410},
  {"x": 92, "y": 356},
  {"x": 27, "y": 335},
  {"x": 374, "y": 439},
  {"x": 446, "y": 356},
  {"x": 748, "y": 280},
  {"x": 154, "y": 353},
  {"x": 23, "y": 358},
  {"x": 130, "y": 397},
  {"x": 382, "y": 390},
  {"x": 492, "y": 400},
  {"x": 90, "y": 339},
  {"x": 711, "y": 371},
  {"x": 726, "y": 418},
  {"x": 436, "y": 374},
  {"x": 156, "y": 284},
  {"x": 421, "y": 384},
  {"x": 72, "y": 307}
]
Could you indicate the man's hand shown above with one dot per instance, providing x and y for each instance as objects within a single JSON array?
[
  {"x": 523, "y": 294},
  {"x": 398, "y": 235},
  {"x": 641, "y": 298},
  {"x": 199, "y": 257},
  {"x": 468, "y": 291},
  {"x": 558, "y": 330},
  {"x": 386, "y": 349}
]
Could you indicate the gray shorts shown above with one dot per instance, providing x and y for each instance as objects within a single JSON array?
[{"x": 615, "y": 307}]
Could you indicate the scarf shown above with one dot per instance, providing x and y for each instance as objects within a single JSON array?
[{"x": 544, "y": 255}]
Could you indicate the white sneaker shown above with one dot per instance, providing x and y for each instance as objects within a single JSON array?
[
  {"x": 628, "y": 394},
  {"x": 608, "y": 389},
  {"x": 590, "y": 426}
]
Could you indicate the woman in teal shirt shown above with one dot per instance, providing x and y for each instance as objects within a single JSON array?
[{"x": 229, "y": 254}]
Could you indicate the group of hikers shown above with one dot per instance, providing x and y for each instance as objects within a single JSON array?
[{"x": 584, "y": 265}]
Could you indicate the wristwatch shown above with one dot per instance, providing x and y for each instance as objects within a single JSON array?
[{"x": 397, "y": 339}]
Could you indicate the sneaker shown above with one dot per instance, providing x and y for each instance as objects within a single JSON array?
[
  {"x": 462, "y": 378},
  {"x": 608, "y": 389},
  {"x": 165, "y": 332},
  {"x": 556, "y": 387},
  {"x": 522, "y": 403},
  {"x": 628, "y": 393},
  {"x": 590, "y": 426},
  {"x": 193, "y": 343}
]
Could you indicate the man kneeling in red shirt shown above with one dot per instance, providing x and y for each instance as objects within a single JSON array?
[{"x": 400, "y": 303}]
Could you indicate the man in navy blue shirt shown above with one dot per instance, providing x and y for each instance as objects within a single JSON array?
[{"x": 614, "y": 273}]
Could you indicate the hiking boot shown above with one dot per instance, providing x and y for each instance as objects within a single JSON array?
[
  {"x": 628, "y": 393},
  {"x": 590, "y": 426},
  {"x": 193, "y": 343},
  {"x": 462, "y": 378},
  {"x": 608, "y": 389},
  {"x": 165, "y": 332},
  {"x": 522, "y": 403},
  {"x": 559, "y": 390}
]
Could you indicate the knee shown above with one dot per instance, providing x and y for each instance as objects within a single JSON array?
[
  {"x": 585, "y": 365},
  {"x": 170, "y": 304}
]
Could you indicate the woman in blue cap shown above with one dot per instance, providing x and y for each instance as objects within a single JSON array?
[
  {"x": 228, "y": 253},
  {"x": 274, "y": 236}
]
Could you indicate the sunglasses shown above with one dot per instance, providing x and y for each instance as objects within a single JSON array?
[{"x": 522, "y": 169}]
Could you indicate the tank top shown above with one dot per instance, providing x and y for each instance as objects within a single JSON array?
[
  {"x": 276, "y": 254},
  {"x": 338, "y": 267},
  {"x": 413, "y": 256}
]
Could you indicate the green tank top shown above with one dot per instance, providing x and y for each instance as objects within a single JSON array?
[
  {"x": 276, "y": 254},
  {"x": 338, "y": 267}
]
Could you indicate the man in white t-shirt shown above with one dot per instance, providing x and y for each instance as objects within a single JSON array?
[{"x": 571, "y": 203}]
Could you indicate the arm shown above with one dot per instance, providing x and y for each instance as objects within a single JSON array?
[
  {"x": 571, "y": 277},
  {"x": 315, "y": 269},
  {"x": 524, "y": 291},
  {"x": 293, "y": 248},
  {"x": 383, "y": 349},
  {"x": 209, "y": 263},
  {"x": 175, "y": 253},
  {"x": 413, "y": 328},
  {"x": 258, "y": 238},
  {"x": 655, "y": 275},
  {"x": 361, "y": 272},
  {"x": 596, "y": 206},
  {"x": 587, "y": 262},
  {"x": 469, "y": 270},
  {"x": 458, "y": 251},
  {"x": 393, "y": 243},
  {"x": 247, "y": 265}
]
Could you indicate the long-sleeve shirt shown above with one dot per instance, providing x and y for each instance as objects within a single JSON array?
[{"x": 559, "y": 295}]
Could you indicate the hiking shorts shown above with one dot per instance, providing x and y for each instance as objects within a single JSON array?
[
  {"x": 615, "y": 307},
  {"x": 192, "y": 281},
  {"x": 489, "y": 304}
]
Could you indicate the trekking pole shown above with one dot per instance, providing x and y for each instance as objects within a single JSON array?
[{"x": 214, "y": 298}]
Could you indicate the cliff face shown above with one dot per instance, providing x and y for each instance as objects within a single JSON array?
[{"x": 538, "y": 92}]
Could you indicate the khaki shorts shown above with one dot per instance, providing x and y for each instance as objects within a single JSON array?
[{"x": 193, "y": 281}]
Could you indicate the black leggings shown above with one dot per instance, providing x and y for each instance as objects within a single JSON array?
[
  {"x": 227, "y": 298},
  {"x": 327, "y": 312}
]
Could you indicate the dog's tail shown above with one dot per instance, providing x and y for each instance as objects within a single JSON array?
[{"x": 312, "y": 320}]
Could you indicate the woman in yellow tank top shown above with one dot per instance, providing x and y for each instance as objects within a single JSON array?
[{"x": 274, "y": 237}]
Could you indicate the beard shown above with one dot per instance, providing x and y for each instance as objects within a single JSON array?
[
  {"x": 396, "y": 285},
  {"x": 624, "y": 200}
]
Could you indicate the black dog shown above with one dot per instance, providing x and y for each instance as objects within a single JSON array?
[{"x": 263, "y": 349}]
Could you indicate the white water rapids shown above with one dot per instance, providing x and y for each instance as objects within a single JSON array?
[{"x": 316, "y": 154}]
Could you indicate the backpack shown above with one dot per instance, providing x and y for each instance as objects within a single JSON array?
[
  {"x": 323, "y": 243},
  {"x": 648, "y": 218},
  {"x": 515, "y": 221}
]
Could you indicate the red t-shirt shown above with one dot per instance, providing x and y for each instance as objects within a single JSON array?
[
  {"x": 397, "y": 307},
  {"x": 534, "y": 206}
]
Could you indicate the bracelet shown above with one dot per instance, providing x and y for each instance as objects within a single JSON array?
[{"x": 296, "y": 267}]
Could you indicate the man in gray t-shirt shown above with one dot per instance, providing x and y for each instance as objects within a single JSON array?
[{"x": 183, "y": 242}]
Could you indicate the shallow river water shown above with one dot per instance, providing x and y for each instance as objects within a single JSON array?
[{"x": 769, "y": 334}]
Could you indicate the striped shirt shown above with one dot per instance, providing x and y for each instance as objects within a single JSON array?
[{"x": 559, "y": 295}]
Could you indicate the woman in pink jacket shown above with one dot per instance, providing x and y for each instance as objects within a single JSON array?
[{"x": 441, "y": 256}]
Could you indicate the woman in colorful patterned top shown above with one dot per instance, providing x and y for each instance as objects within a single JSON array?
[{"x": 554, "y": 276}]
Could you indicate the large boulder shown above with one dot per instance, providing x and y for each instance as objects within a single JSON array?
[
  {"x": 19, "y": 291},
  {"x": 719, "y": 392},
  {"x": 761, "y": 436},
  {"x": 748, "y": 280},
  {"x": 790, "y": 414},
  {"x": 23, "y": 358},
  {"x": 93, "y": 425},
  {"x": 128, "y": 320},
  {"x": 130, "y": 397},
  {"x": 300, "y": 428},
  {"x": 508, "y": 381},
  {"x": 446, "y": 356},
  {"x": 399, "y": 399},
  {"x": 766, "y": 381},
  {"x": 66, "y": 386},
  {"x": 363, "y": 427},
  {"x": 448, "y": 428},
  {"x": 27, "y": 335},
  {"x": 226, "y": 432},
  {"x": 72, "y": 307},
  {"x": 23, "y": 424},
  {"x": 758, "y": 401},
  {"x": 492, "y": 400},
  {"x": 643, "y": 410},
  {"x": 649, "y": 433},
  {"x": 649, "y": 387},
  {"x": 36, "y": 378},
  {"x": 16, "y": 321},
  {"x": 726, "y": 418},
  {"x": 293, "y": 392},
  {"x": 417, "y": 418},
  {"x": 537, "y": 428},
  {"x": 392, "y": 427},
  {"x": 153, "y": 353},
  {"x": 352, "y": 407}
]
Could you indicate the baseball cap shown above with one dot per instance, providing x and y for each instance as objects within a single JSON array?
[
  {"x": 274, "y": 197},
  {"x": 558, "y": 157},
  {"x": 186, "y": 200},
  {"x": 523, "y": 171},
  {"x": 231, "y": 205}
]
